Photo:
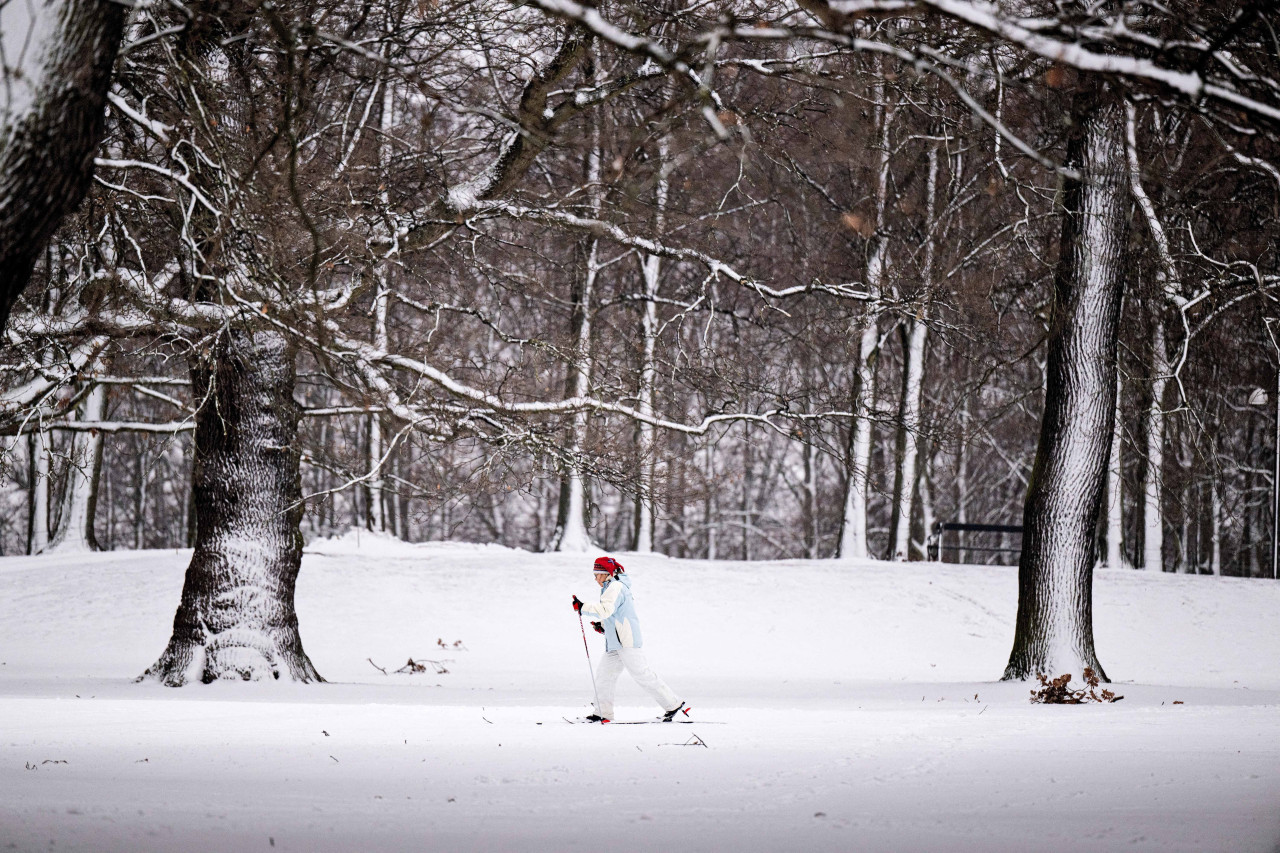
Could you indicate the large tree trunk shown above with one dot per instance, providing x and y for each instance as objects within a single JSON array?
[
  {"x": 80, "y": 495},
  {"x": 55, "y": 75},
  {"x": 1054, "y": 628},
  {"x": 237, "y": 619}
]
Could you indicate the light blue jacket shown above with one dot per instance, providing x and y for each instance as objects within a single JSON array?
[{"x": 616, "y": 612}]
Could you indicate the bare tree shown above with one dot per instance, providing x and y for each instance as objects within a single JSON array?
[
  {"x": 417, "y": 228},
  {"x": 1054, "y": 628}
]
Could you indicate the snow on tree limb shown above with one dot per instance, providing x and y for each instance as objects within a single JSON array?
[
  {"x": 53, "y": 377},
  {"x": 1034, "y": 35}
]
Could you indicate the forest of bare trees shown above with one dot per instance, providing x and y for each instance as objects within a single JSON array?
[{"x": 727, "y": 280}]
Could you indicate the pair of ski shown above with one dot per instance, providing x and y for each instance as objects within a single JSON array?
[{"x": 584, "y": 721}]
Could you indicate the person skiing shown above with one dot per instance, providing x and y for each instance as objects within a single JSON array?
[{"x": 616, "y": 613}]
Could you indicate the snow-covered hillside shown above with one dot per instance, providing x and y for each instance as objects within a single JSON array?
[{"x": 847, "y": 705}]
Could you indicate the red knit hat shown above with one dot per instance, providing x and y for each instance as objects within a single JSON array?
[{"x": 607, "y": 566}]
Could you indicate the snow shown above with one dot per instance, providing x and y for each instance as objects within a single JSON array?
[{"x": 856, "y": 698}]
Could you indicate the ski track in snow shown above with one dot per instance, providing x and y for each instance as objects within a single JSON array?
[{"x": 858, "y": 699}]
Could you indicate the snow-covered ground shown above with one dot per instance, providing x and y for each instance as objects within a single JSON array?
[{"x": 843, "y": 706}]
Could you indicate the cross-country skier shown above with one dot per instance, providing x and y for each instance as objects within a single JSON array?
[{"x": 617, "y": 621}]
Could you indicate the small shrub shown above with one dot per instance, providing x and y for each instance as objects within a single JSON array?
[{"x": 1059, "y": 692}]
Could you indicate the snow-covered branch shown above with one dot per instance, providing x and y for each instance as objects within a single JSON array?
[{"x": 53, "y": 377}]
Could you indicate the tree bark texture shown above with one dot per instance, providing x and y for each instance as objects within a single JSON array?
[
  {"x": 56, "y": 71},
  {"x": 236, "y": 619},
  {"x": 1054, "y": 628}
]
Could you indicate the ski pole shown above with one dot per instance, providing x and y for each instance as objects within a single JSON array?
[{"x": 590, "y": 668}]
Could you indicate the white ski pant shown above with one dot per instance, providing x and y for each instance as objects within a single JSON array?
[{"x": 634, "y": 662}]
